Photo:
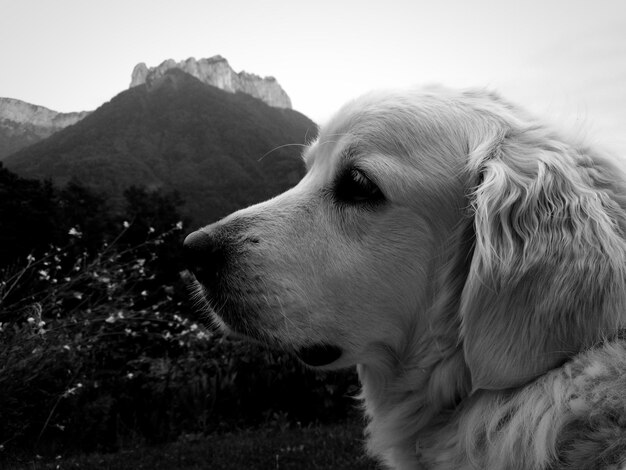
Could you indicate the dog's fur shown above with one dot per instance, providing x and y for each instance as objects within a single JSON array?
[{"x": 481, "y": 291}]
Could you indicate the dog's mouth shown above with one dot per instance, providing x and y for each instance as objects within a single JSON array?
[
  {"x": 319, "y": 355},
  {"x": 238, "y": 324}
]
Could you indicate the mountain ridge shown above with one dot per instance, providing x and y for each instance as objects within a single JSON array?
[
  {"x": 22, "y": 124},
  {"x": 216, "y": 71}
]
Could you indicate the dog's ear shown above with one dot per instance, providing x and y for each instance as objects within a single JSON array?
[{"x": 548, "y": 266}]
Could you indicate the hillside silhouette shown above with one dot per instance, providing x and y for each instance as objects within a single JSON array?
[{"x": 220, "y": 151}]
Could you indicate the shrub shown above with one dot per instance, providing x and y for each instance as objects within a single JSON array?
[{"x": 96, "y": 352}]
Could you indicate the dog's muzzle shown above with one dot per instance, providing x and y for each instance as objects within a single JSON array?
[{"x": 204, "y": 257}]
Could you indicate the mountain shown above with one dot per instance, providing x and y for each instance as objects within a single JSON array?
[
  {"x": 217, "y": 71},
  {"x": 220, "y": 150},
  {"x": 23, "y": 124}
]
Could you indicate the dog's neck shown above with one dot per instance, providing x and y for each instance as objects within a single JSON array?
[
  {"x": 402, "y": 401},
  {"x": 576, "y": 412},
  {"x": 409, "y": 387}
]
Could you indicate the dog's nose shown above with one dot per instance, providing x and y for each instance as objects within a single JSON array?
[{"x": 203, "y": 255}]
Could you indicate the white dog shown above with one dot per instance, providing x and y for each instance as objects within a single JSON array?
[{"x": 470, "y": 260}]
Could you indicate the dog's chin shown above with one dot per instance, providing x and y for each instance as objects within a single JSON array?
[
  {"x": 319, "y": 355},
  {"x": 325, "y": 356}
]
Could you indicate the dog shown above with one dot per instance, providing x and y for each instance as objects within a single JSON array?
[{"x": 467, "y": 258}]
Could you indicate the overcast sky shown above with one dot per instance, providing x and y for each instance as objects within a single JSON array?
[{"x": 566, "y": 58}]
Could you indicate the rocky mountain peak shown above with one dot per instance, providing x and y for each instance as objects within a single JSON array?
[
  {"x": 23, "y": 124},
  {"x": 21, "y": 112},
  {"x": 216, "y": 71}
]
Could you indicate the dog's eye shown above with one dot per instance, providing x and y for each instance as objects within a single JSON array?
[{"x": 354, "y": 187}]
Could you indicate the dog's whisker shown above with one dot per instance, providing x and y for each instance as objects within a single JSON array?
[
  {"x": 280, "y": 147},
  {"x": 286, "y": 320},
  {"x": 327, "y": 142}
]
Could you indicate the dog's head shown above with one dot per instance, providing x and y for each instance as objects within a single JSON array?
[{"x": 441, "y": 217}]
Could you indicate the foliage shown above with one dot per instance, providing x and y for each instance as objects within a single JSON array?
[
  {"x": 28, "y": 216},
  {"x": 328, "y": 446},
  {"x": 67, "y": 334},
  {"x": 36, "y": 215},
  {"x": 87, "y": 362}
]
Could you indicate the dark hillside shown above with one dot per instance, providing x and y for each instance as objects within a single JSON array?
[
  {"x": 14, "y": 137},
  {"x": 219, "y": 150}
]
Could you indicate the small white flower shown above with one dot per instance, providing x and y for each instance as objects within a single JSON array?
[
  {"x": 125, "y": 224},
  {"x": 151, "y": 230},
  {"x": 72, "y": 390},
  {"x": 66, "y": 347},
  {"x": 144, "y": 293},
  {"x": 74, "y": 233},
  {"x": 130, "y": 375},
  {"x": 120, "y": 314},
  {"x": 179, "y": 225},
  {"x": 111, "y": 319},
  {"x": 30, "y": 320}
]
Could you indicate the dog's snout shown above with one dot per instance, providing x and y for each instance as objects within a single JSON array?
[{"x": 203, "y": 255}]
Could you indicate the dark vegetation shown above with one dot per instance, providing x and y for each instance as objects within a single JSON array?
[
  {"x": 334, "y": 446},
  {"x": 14, "y": 137}
]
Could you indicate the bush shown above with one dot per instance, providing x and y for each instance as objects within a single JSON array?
[
  {"x": 98, "y": 352},
  {"x": 70, "y": 323}
]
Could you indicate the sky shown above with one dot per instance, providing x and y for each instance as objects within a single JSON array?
[{"x": 562, "y": 58}]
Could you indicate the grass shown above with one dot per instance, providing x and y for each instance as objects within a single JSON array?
[{"x": 337, "y": 446}]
